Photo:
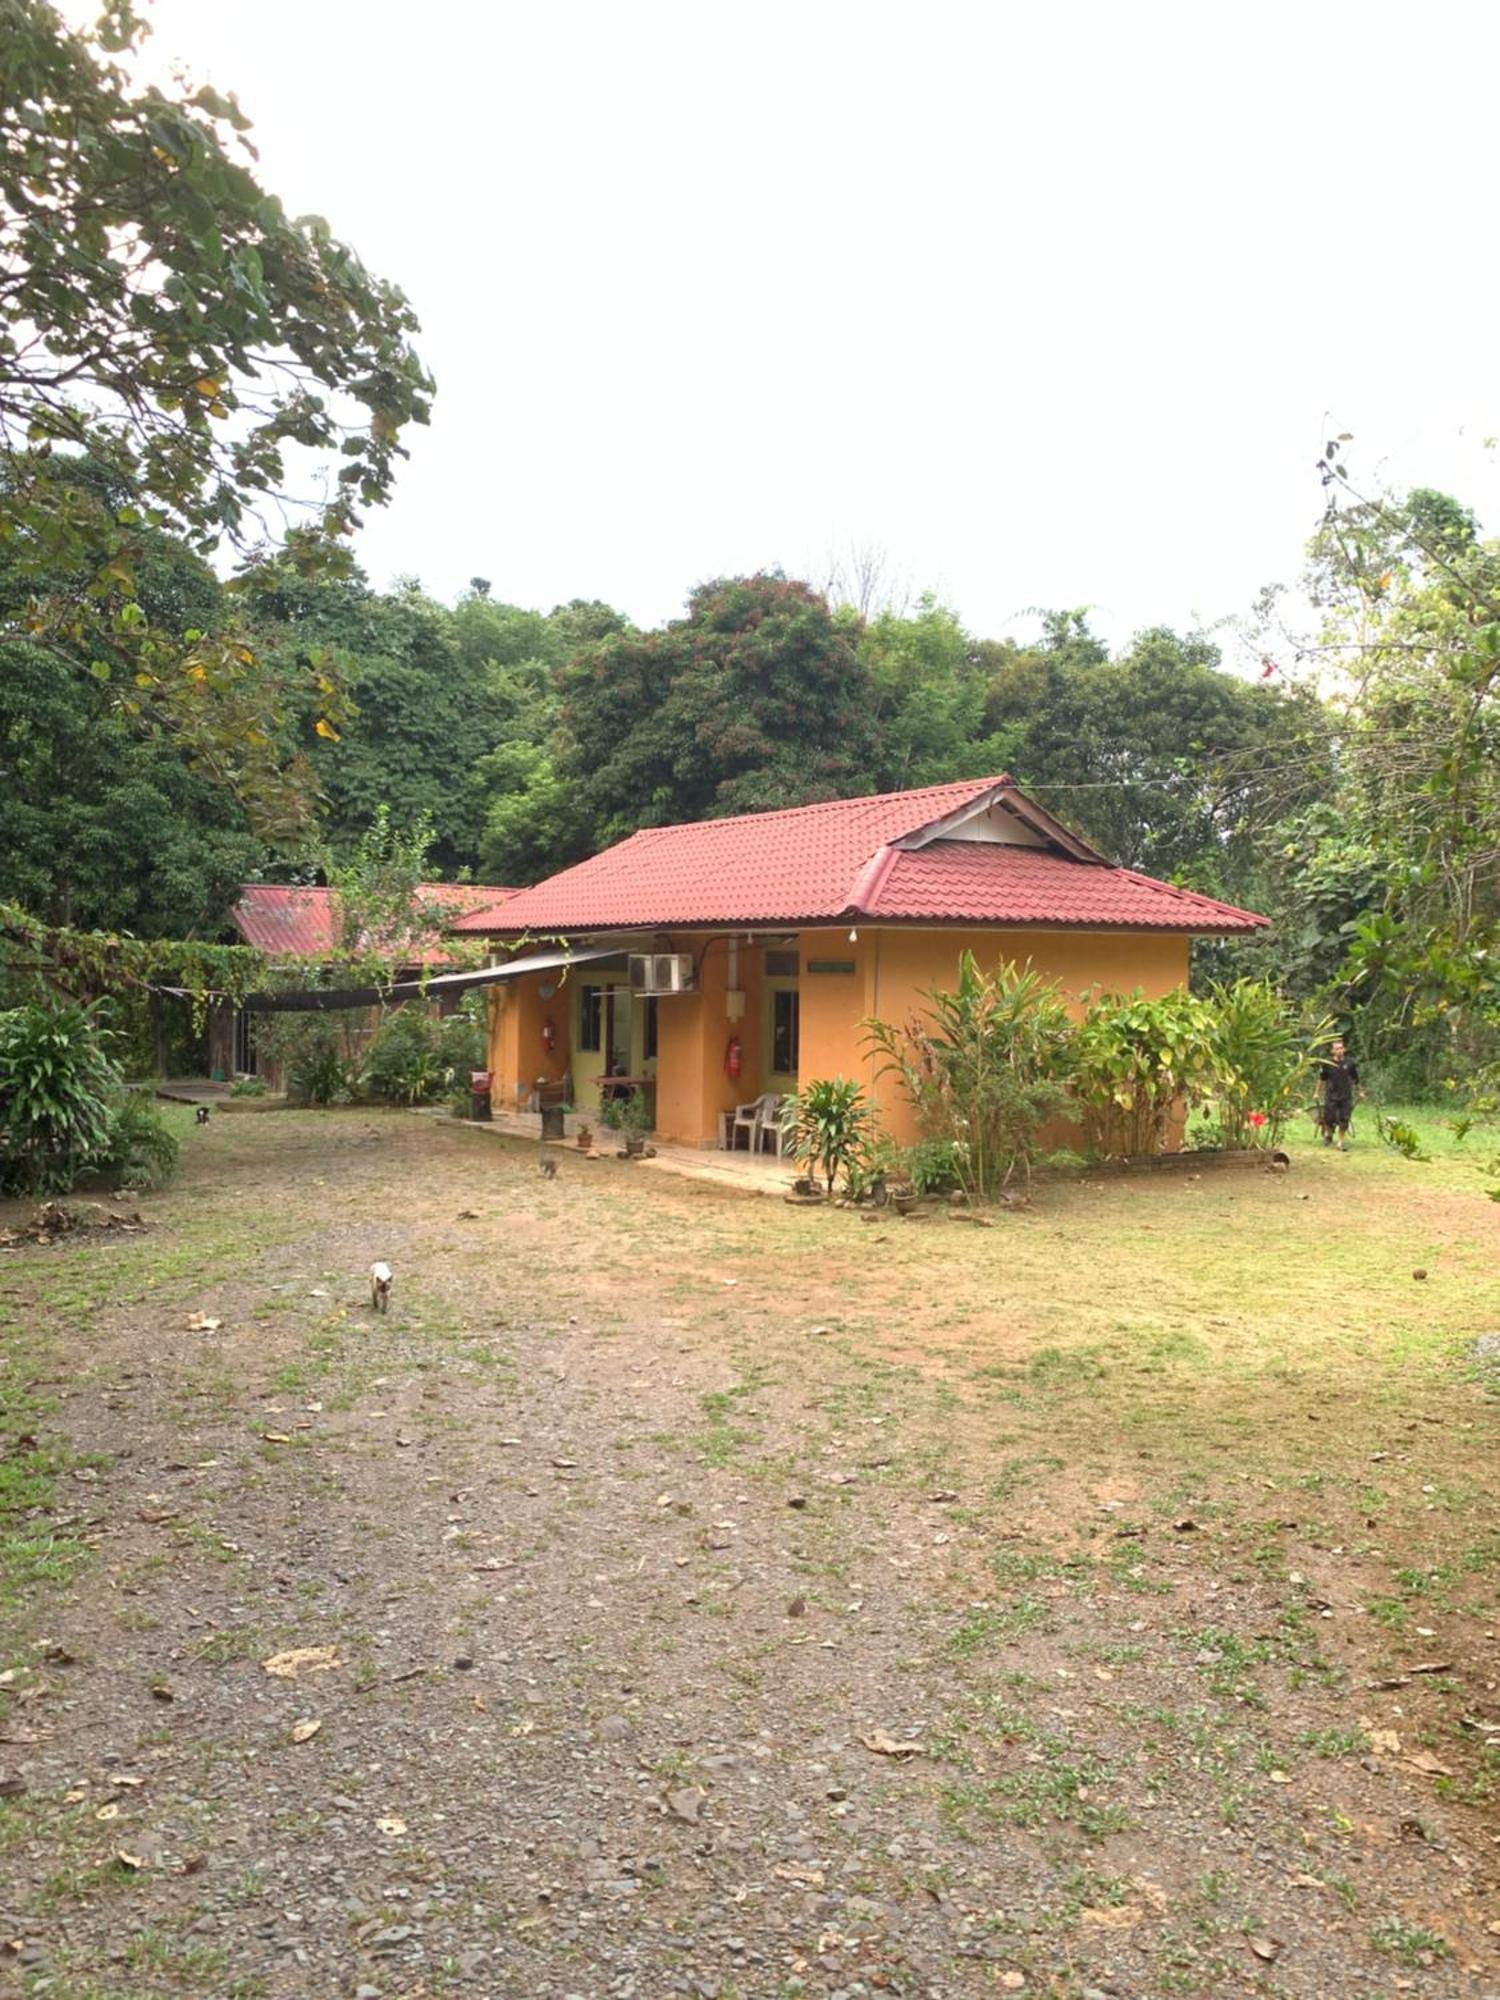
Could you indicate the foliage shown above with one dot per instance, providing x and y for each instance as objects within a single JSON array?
[
  {"x": 248, "y": 1086},
  {"x": 983, "y": 1068},
  {"x": 414, "y": 1059},
  {"x": 1135, "y": 1060},
  {"x": 933, "y": 1166},
  {"x": 382, "y": 923},
  {"x": 168, "y": 330},
  {"x": 1263, "y": 1054},
  {"x": 140, "y": 1150},
  {"x": 1400, "y": 1137},
  {"x": 401, "y": 1064},
  {"x": 833, "y": 1126},
  {"x": 91, "y": 962},
  {"x": 1411, "y": 602},
  {"x": 319, "y": 1055},
  {"x": 462, "y": 1038},
  {"x": 755, "y": 699},
  {"x": 57, "y": 1084}
]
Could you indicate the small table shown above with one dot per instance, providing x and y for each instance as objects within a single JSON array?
[{"x": 621, "y": 1086}]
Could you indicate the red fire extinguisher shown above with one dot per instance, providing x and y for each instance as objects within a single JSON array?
[
  {"x": 549, "y": 1035},
  {"x": 732, "y": 1057}
]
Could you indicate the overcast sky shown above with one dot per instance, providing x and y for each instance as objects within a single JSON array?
[{"x": 1052, "y": 304}]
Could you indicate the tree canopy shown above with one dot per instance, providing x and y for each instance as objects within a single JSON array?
[{"x": 172, "y": 343}]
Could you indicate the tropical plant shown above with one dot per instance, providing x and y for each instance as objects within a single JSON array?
[
  {"x": 984, "y": 1069},
  {"x": 402, "y": 1064},
  {"x": 1263, "y": 1054},
  {"x": 933, "y": 1166},
  {"x": 57, "y": 1083},
  {"x": 462, "y": 1040},
  {"x": 635, "y": 1115},
  {"x": 317, "y": 1053},
  {"x": 1139, "y": 1060},
  {"x": 140, "y": 1149},
  {"x": 833, "y": 1126}
]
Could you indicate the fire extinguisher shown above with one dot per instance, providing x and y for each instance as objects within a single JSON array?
[
  {"x": 732, "y": 1057},
  {"x": 549, "y": 1035}
]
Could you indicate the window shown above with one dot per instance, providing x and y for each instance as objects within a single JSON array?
[
  {"x": 786, "y": 1023},
  {"x": 782, "y": 965},
  {"x": 591, "y": 1017}
]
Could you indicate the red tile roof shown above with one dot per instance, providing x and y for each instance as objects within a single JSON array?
[
  {"x": 836, "y": 861},
  {"x": 298, "y": 922}
]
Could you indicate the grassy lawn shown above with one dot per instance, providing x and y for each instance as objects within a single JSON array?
[{"x": 1159, "y": 1517}]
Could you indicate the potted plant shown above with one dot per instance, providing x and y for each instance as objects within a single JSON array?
[{"x": 635, "y": 1123}]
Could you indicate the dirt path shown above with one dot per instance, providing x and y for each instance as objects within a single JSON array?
[{"x": 690, "y": 1637}]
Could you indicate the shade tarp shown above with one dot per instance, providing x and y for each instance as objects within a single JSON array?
[{"x": 331, "y": 999}]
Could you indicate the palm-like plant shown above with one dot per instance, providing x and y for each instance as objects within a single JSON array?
[{"x": 832, "y": 1125}]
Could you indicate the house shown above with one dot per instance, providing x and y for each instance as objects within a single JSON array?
[
  {"x": 297, "y": 926},
  {"x": 780, "y": 933}
]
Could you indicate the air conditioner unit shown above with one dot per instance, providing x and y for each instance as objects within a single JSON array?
[{"x": 660, "y": 972}]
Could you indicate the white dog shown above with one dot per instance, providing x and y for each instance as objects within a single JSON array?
[{"x": 380, "y": 1287}]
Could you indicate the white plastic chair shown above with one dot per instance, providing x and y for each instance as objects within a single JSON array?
[{"x": 753, "y": 1120}]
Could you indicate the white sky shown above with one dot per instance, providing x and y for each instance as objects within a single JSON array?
[{"x": 1052, "y": 303}]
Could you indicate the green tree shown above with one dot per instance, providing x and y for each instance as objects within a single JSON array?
[
  {"x": 164, "y": 321},
  {"x": 756, "y": 699}
]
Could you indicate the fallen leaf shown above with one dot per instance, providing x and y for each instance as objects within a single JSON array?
[
  {"x": 108, "y": 1812},
  {"x": 1278, "y": 1777},
  {"x": 301, "y": 1660},
  {"x": 1268, "y": 1948},
  {"x": 390, "y": 1826},
  {"x": 304, "y": 1731},
  {"x": 128, "y": 1860},
  {"x": 886, "y": 1745},
  {"x": 1433, "y": 1667},
  {"x": 1013, "y": 1981},
  {"x": 1386, "y": 1742},
  {"x": 275, "y": 1437},
  {"x": 201, "y": 1323},
  {"x": 1186, "y": 1525}
]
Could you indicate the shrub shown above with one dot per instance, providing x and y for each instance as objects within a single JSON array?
[
  {"x": 402, "y": 1065},
  {"x": 462, "y": 1039},
  {"x": 1135, "y": 1060},
  {"x": 140, "y": 1150},
  {"x": 832, "y": 1125},
  {"x": 247, "y": 1086},
  {"x": 1263, "y": 1054},
  {"x": 57, "y": 1083},
  {"x": 933, "y": 1166},
  {"x": 984, "y": 1069},
  {"x": 316, "y": 1052}
]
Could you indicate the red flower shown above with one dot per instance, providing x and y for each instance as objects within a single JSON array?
[{"x": 1257, "y": 1119}]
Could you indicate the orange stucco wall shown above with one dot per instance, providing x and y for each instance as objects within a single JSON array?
[
  {"x": 693, "y": 1031},
  {"x": 517, "y": 1053},
  {"x": 893, "y": 968}
]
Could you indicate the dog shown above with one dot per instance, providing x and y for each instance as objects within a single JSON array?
[
  {"x": 200, "y": 1116},
  {"x": 380, "y": 1288},
  {"x": 549, "y": 1170}
]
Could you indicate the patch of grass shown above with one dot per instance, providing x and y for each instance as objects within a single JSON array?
[
  {"x": 995, "y": 1624},
  {"x": 1409, "y": 1944}
]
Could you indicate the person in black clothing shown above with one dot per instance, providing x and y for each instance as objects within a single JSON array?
[{"x": 1340, "y": 1079}]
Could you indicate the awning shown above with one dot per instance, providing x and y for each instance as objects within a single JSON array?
[{"x": 329, "y": 1000}]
